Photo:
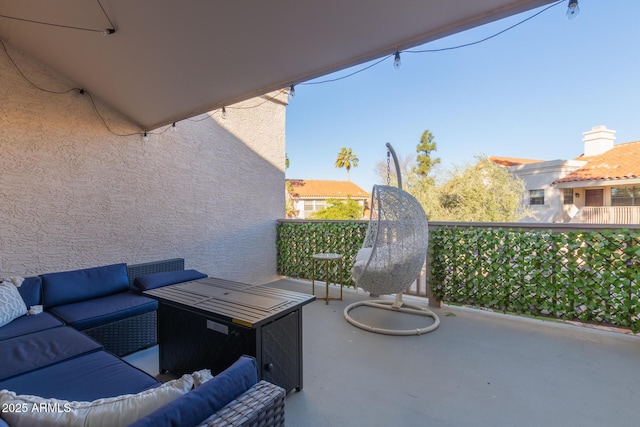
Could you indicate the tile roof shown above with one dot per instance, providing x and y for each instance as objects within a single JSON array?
[
  {"x": 326, "y": 189},
  {"x": 512, "y": 161},
  {"x": 620, "y": 162}
]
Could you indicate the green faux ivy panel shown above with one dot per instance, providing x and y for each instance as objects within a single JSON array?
[
  {"x": 298, "y": 241},
  {"x": 591, "y": 276}
]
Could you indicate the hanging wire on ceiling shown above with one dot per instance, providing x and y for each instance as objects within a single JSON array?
[
  {"x": 346, "y": 76},
  {"x": 486, "y": 38},
  {"x": 266, "y": 99},
  {"x": 4, "y": 47},
  {"x": 572, "y": 12},
  {"x": 104, "y": 31},
  {"x": 112, "y": 28},
  {"x": 101, "y": 116},
  {"x": 396, "y": 55}
]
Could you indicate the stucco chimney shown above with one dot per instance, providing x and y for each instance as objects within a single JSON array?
[{"x": 598, "y": 140}]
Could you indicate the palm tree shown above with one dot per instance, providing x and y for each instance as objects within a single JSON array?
[{"x": 346, "y": 159}]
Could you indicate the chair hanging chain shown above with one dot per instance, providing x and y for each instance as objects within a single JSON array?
[{"x": 388, "y": 167}]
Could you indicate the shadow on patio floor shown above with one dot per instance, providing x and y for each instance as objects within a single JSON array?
[{"x": 476, "y": 369}]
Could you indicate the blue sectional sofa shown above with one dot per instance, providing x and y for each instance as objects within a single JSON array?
[{"x": 55, "y": 370}]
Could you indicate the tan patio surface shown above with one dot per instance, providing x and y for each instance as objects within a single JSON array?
[{"x": 477, "y": 369}]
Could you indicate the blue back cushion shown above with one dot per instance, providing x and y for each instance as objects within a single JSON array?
[
  {"x": 194, "y": 407},
  {"x": 31, "y": 291},
  {"x": 156, "y": 280},
  {"x": 101, "y": 311},
  {"x": 80, "y": 285}
]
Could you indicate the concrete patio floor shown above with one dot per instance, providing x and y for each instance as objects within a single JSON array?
[{"x": 477, "y": 369}]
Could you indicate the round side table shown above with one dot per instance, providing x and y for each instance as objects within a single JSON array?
[{"x": 326, "y": 258}]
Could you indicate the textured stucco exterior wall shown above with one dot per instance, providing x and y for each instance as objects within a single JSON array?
[{"x": 74, "y": 195}]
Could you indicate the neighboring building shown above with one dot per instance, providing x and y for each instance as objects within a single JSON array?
[
  {"x": 545, "y": 201},
  {"x": 600, "y": 186},
  {"x": 307, "y": 195}
]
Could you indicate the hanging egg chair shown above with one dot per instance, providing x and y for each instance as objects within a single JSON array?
[{"x": 392, "y": 255}]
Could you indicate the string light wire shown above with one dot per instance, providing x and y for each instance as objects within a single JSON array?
[
  {"x": 52, "y": 24},
  {"x": 113, "y": 27},
  {"x": 267, "y": 99},
  {"x": 104, "y": 121},
  {"x": 433, "y": 50},
  {"x": 4, "y": 47},
  {"x": 348, "y": 75},
  {"x": 489, "y": 37},
  {"x": 109, "y": 30}
]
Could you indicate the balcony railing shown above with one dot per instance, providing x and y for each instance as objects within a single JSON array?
[
  {"x": 584, "y": 272},
  {"x": 608, "y": 215}
]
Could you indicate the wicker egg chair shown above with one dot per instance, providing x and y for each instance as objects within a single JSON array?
[{"x": 392, "y": 255}]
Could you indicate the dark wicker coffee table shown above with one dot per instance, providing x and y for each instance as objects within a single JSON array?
[{"x": 209, "y": 323}]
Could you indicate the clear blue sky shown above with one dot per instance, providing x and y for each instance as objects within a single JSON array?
[{"x": 529, "y": 92}]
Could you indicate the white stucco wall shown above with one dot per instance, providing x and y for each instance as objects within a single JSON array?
[{"x": 74, "y": 195}]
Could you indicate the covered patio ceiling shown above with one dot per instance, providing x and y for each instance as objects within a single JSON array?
[{"x": 169, "y": 60}]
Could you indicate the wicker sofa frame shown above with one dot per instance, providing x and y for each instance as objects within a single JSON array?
[
  {"x": 135, "y": 333},
  {"x": 260, "y": 406}
]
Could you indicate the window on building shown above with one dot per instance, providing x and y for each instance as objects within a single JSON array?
[
  {"x": 536, "y": 197},
  {"x": 313, "y": 205},
  {"x": 568, "y": 196},
  {"x": 308, "y": 205},
  {"x": 625, "y": 196}
]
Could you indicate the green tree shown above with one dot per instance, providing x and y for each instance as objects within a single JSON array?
[
  {"x": 426, "y": 192},
  {"x": 482, "y": 192},
  {"x": 346, "y": 159},
  {"x": 425, "y": 160},
  {"x": 339, "y": 209}
]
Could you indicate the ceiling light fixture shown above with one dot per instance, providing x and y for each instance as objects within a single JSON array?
[
  {"x": 224, "y": 113},
  {"x": 573, "y": 10},
  {"x": 396, "y": 61},
  {"x": 145, "y": 137},
  {"x": 292, "y": 92},
  {"x": 108, "y": 31}
]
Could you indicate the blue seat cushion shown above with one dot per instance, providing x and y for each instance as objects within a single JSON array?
[
  {"x": 31, "y": 291},
  {"x": 84, "y": 378},
  {"x": 79, "y": 285},
  {"x": 30, "y": 352},
  {"x": 203, "y": 401},
  {"x": 107, "y": 309},
  {"x": 28, "y": 324},
  {"x": 156, "y": 280}
]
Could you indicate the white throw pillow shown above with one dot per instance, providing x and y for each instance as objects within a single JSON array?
[
  {"x": 11, "y": 303},
  {"x": 200, "y": 377},
  {"x": 25, "y": 410}
]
